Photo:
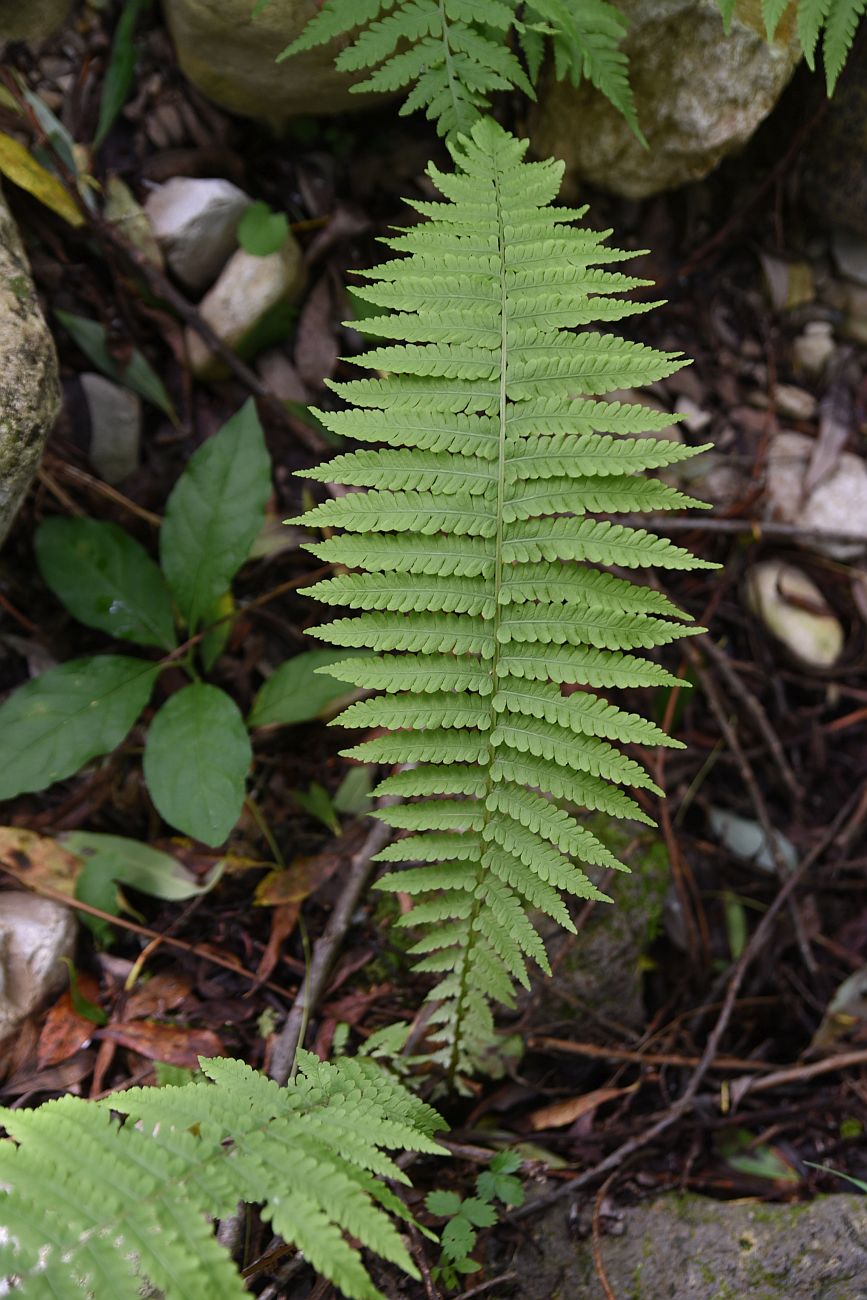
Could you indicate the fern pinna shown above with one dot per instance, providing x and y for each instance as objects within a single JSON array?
[
  {"x": 476, "y": 551},
  {"x": 88, "y": 1207}
]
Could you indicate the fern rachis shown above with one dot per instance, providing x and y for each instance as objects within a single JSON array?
[{"x": 474, "y": 538}]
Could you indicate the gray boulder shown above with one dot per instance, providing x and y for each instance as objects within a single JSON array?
[
  {"x": 230, "y": 55},
  {"x": 694, "y": 1248},
  {"x": 700, "y": 95},
  {"x": 29, "y": 388},
  {"x": 35, "y": 935}
]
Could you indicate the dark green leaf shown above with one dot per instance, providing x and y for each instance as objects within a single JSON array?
[
  {"x": 106, "y": 580},
  {"x": 138, "y": 375},
  {"x": 55, "y": 724},
  {"x": 196, "y": 761},
  {"x": 458, "y": 1239},
  {"x": 353, "y": 793},
  {"x": 443, "y": 1203},
  {"x": 121, "y": 69},
  {"x": 129, "y": 862},
  {"x": 262, "y": 231},
  {"x": 297, "y": 692},
  {"x": 480, "y": 1213},
  {"x": 215, "y": 513}
]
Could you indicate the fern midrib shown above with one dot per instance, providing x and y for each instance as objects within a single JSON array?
[
  {"x": 447, "y": 59},
  {"x": 494, "y": 662}
]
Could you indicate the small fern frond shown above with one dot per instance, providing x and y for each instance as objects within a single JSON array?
[
  {"x": 481, "y": 570},
  {"x": 836, "y": 21},
  {"x": 452, "y": 55},
  {"x": 90, "y": 1206}
]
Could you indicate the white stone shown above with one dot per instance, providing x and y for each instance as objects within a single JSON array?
[
  {"x": 794, "y": 403},
  {"x": 850, "y": 254},
  {"x": 115, "y": 427},
  {"x": 793, "y": 608},
  {"x": 35, "y": 934},
  {"x": 247, "y": 290},
  {"x": 195, "y": 223},
  {"x": 694, "y": 416},
  {"x": 746, "y": 840},
  {"x": 814, "y": 348},
  {"x": 279, "y": 375},
  {"x": 837, "y": 505}
]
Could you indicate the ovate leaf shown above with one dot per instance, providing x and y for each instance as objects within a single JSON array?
[
  {"x": 138, "y": 375},
  {"x": 261, "y": 231},
  {"x": 106, "y": 580},
  {"x": 55, "y": 724},
  {"x": 215, "y": 513},
  {"x": 297, "y": 691},
  {"x": 218, "y": 619},
  {"x": 196, "y": 760}
]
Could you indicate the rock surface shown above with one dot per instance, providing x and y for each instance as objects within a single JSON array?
[
  {"x": 231, "y": 57},
  {"x": 115, "y": 427},
  {"x": 693, "y": 1248},
  {"x": 837, "y": 504},
  {"x": 835, "y": 159},
  {"x": 31, "y": 20},
  {"x": 248, "y": 289},
  {"x": 35, "y": 933},
  {"x": 195, "y": 223},
  {"x": 29, "y": 389},
  {"x": 699, "y": 94}
]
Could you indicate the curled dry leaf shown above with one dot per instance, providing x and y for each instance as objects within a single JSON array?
[
  {"x": 172, "y": 1044},
  {"x": 562, "y": 1113}
]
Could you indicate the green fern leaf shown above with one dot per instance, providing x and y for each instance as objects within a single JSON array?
[
  {"x": 480, "y": 570},
  {"x": 454, "y": 54},
  {"x": 90, "y": 1206}
]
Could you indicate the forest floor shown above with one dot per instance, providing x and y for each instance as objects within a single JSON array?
[{"x": 733, "y": 1054}]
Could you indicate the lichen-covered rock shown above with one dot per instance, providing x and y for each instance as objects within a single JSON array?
[
  {"x": 230, "y": 55},
  {"x": 693, "y": 1248},
  {"x": 31, "y": 20},
  {"x": 29, "y": 388},
  {"x": 700, "y": 95}
]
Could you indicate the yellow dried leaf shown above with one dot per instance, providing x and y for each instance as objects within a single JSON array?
[
  {"x": 561, "y": 1113},
  {"x": 23, "y": 170}
]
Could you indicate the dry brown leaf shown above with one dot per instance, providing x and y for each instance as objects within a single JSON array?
[
  {"x": 169, "y": 1043},
  {"x": 561, "y": 1113},
  {"x": 38, "y": 860},
  {"x": 65, "y": 1031}
]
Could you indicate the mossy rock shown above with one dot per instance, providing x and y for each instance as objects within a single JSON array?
[
  {"x": 230, "y": 53},
  {"x": 29, "y": 387},
  {"x": 695, "y": 1248}
]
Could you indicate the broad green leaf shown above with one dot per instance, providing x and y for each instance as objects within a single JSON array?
[
  {"x": 129, "y": 862},
  {"x": 213, "y": 643},
  {"x": 262, "y": 231},
  {"x": 443, "y": 1203},
  {"x": 215, "y": 513},
  {"x": 196, "y": 761},
  {"x": 58, "y": 722},
  {"x": 121, "y": 69},
  {"x": 106, "y": 580},
  {"x": 297, "y": 692},
  {"x": 139, "y": 375}
]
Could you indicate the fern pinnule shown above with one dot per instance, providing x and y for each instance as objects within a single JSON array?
[
  {"x": 480, "y": 575},
  {"x": 90, "y": 1207}
]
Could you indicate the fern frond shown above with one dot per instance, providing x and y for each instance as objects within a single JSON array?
[
  {"x": 454, "y": 54},
  {"x": 836, "y": 21},
  {"x": 90, "y": 1206},
  {"x": 482, "y": 579}
]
